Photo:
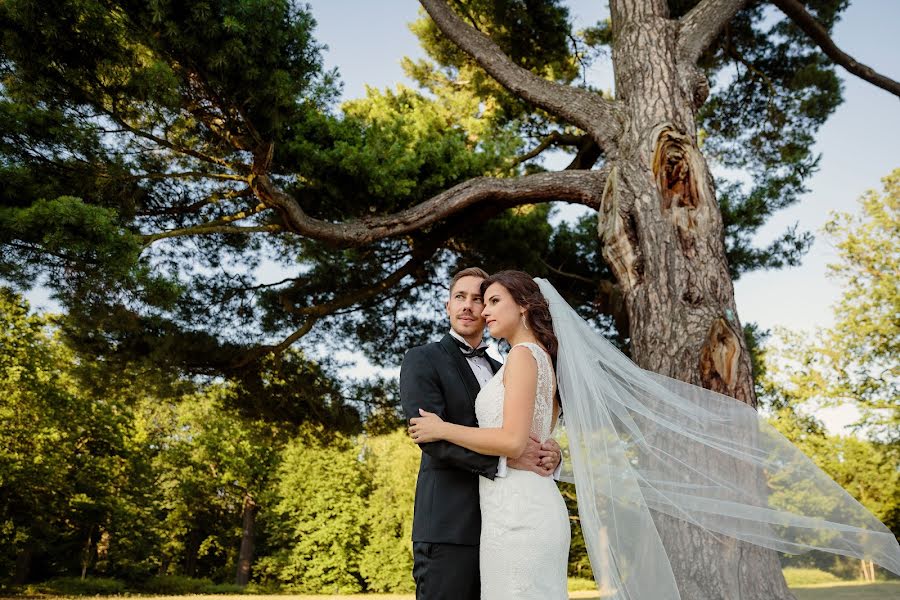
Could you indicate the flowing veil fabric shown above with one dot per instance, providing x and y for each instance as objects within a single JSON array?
[{"x": 639, "y": 442}]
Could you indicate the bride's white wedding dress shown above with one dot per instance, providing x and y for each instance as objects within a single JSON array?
[{"x": 524, "y": 522}]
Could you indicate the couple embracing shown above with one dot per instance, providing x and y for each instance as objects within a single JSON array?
[
  {"x": 489, "y": 519},
  {"x": 484, "y": 498}
]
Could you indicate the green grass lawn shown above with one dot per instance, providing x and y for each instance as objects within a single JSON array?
[
  {"x": 807, "y": 584},
  {"x": 823, "y": 591},
  {"x": 849, "y": 591}
]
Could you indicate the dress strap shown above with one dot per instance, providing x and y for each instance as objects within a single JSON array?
[
  {"x": 544, "y": 365},
  {"x": 542, "y": 425},
  {"x": 535, "y": 350}
]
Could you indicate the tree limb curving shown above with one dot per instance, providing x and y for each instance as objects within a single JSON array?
[
  {"x": 700, "y": 26},
  {"x": 577, "y": 187},
  {"x": 587, "y": 110},
  {"x": 809, "y": 25},
  {"x": 554, "y": 138}
]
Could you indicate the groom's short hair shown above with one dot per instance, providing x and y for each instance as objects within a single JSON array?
[{"x": 469, "y": 272}]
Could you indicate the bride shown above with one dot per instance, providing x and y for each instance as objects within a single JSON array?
[{"x": 639, "y": 444}]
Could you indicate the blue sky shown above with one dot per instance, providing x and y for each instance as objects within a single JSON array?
[{"x": 858, "y": 144}]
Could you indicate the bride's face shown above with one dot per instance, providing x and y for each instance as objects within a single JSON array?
[{"x": 501, "y": 313}]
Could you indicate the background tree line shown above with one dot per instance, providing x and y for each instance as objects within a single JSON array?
[{"x": 135, "y": 476}]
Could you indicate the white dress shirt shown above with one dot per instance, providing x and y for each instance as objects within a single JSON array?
[{"x": 481, "y": 368}]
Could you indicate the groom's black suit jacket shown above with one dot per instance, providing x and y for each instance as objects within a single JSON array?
[{"x": 438, "y": 378}]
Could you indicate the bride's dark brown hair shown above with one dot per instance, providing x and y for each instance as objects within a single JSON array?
[{"x": 526, "y": 293}]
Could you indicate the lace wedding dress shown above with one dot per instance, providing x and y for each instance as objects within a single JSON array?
[{"x": 524, "y": 522}]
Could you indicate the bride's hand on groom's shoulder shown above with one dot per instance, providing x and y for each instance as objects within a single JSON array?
[{"x": 426, "y": 428}]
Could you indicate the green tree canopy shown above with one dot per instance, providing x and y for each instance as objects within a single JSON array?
[
  {"x": 148, "y": 151},
  {"x": 70, "y": 471},
  {"x": 857, "y": 360}
]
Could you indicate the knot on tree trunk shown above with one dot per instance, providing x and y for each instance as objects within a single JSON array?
[
  {"x": 720, "y": 358},
  {"x": 680, "y": 177},
  {"x": 619, "y": 235}
]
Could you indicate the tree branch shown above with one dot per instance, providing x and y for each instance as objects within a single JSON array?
[
  {"x": 578, "y": 187},
  {"x": 587, "y": 110},
  {"x": 588, "y": 154},
  {"x": 313, "y": 314},
  {"x": 353, "y": 298},
  {"x": 185, "y": 175},
  {"x": 561, "y": 273},
  {"x": 699, "y": 27},
  {"x": 609, "y": 299},
  {"x": 222, "y": 225},
  {"x": 261, "y": 351},
  {"x": 239, "y": 167},
  {"x": 554, "y": 138},
  {"x": 809, "y": 25},
  {"x": 210, "y": 229},
  {"x": 196, "y": 206}
]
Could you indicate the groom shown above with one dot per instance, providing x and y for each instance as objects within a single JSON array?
[{"x": 444, "y": 378}]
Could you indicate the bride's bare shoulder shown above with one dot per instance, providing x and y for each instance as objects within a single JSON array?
[{"x": 520, "y": 363}]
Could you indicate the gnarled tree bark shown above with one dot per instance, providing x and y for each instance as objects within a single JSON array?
[{"x": 663, "y": 237}]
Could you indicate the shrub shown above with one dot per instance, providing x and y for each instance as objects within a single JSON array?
[
  {"x": 175, "y": 585},
  {"x": 75, "y": 586},
  {"x": 262, "y": 589}
]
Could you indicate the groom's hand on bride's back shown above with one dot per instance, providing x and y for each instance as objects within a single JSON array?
[{"x": 542, "y": 459}]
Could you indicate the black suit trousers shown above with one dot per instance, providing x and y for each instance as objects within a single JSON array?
[{"x": 446, "y": 571}]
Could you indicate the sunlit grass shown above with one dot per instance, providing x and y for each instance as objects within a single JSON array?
[{"x": 849, "y": 590}]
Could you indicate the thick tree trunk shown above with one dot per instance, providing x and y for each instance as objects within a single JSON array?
[
  {"x": 663, "y": 238},
  {"x": 23, "y": 564},
  {"x": 245, "y": 556},
  {"x": 191, "y": 550},
  {"x": 86, "y": 552}
]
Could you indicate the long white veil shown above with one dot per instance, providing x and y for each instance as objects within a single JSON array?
[{"x": 640, "y": 442}]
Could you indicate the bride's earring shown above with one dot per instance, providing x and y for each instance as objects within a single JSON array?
[{"x": 524, "y": 322}]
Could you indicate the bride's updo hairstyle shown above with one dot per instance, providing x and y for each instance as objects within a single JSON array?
[{"x": 526, "y": 293}]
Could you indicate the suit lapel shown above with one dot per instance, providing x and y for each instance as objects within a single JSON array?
[
  {"x": 462, "y": 365},
  {"x": 495, "y": 366}
]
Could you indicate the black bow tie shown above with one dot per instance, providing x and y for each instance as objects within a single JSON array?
[{"x": 468, "y": 351}]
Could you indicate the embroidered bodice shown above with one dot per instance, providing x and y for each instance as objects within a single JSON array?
[{"x": 489, "y": 403}]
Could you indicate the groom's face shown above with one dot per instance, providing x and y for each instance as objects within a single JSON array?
[{"x": 464, "y": 307}]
